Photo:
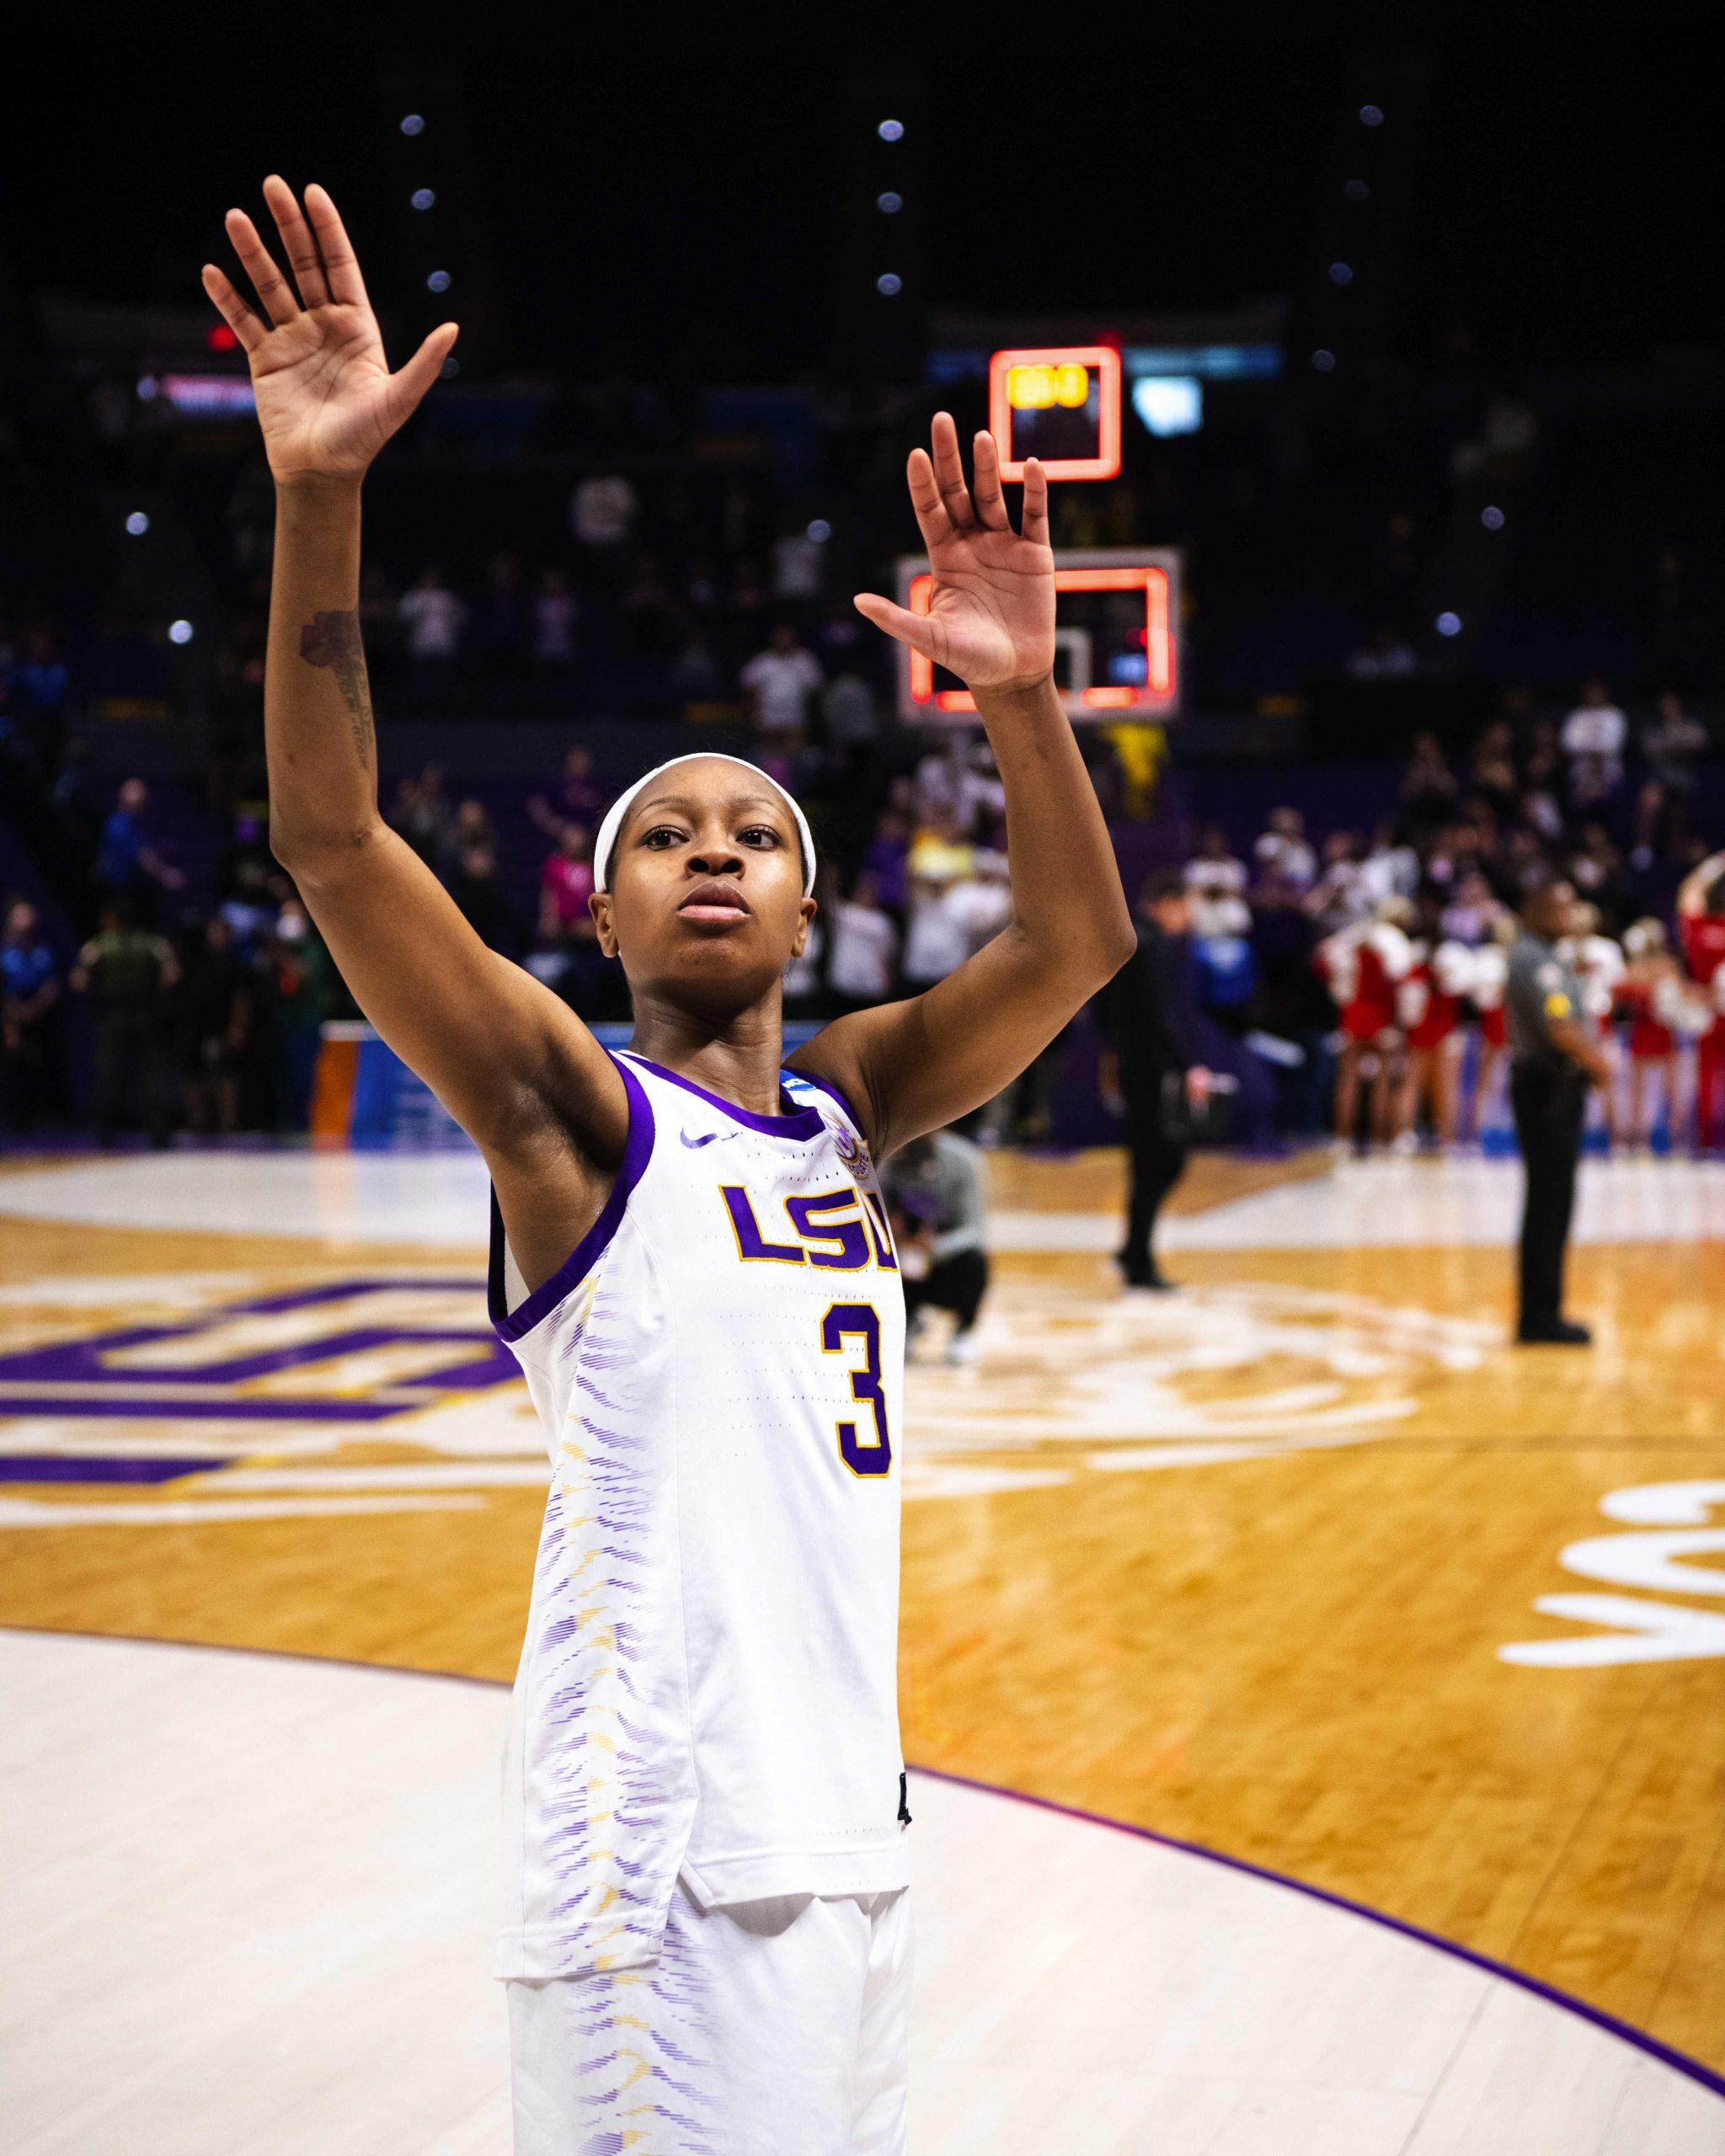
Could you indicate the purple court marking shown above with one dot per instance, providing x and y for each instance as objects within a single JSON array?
[
  {"x": 1678, "y": 2062},
  {"x": 58, "y": 1467},
  {"x": 95, "y": 1388}
]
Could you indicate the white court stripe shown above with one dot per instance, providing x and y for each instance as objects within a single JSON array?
[{"x": 142, "y": 1512}]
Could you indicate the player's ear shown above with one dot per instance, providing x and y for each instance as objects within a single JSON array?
[
  {"x": 598, "y": 906},
  {"x": 806, "y": 912}
]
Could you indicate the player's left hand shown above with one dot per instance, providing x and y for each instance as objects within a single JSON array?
[{"x": 992, "y": 614}]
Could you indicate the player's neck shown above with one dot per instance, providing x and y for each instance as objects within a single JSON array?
[{"x": 737, "y": 1057}]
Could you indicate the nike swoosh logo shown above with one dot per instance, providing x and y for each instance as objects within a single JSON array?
[{"x": 706, "y": 1138}]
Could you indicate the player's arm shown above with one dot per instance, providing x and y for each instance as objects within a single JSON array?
[
  {"x": 1692, "y": 892},
  {"x": 509, "y": 1061},
  {"x": 914, "y": 1065}
]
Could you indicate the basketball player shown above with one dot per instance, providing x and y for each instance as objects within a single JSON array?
[{"x": 707, "y": 1942}]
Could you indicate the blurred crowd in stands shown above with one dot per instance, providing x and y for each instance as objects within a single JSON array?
[
  {"x": 1370, "y": 967},
  {"x": 1361, "y": 971},
  {"x": 621, "y": 554}
]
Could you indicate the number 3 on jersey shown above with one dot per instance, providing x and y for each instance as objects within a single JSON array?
[{"x": 872, "y": 1455}]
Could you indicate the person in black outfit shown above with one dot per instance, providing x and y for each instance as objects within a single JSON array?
[
  {"x": 1147, "y": 1018},
  {"x": 1555, "y": 1052}
]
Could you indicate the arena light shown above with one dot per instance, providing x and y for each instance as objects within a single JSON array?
[
  {"x": 889, "y": 285},
  {"x": 179, "y": 632},
  {"x": 888, "y": 204},
  {"x": 413, "y": 123},
  {"x": 1371, "y": 115},
  {"x": 891, "y": 130},
  {"x": 1169, "y": 404},
  {"x": 1449, "y": 625},
  {"x": 1324, "y": 362},
  {"x": 1341, "y": 273},
  {"x": 422, "y": 198},
  {"x": 1491, "y": 518},
  {"x": 438, "y": 281},
  {"x": 1057, "y": 377},
  {"x": 137, "y": 524}
]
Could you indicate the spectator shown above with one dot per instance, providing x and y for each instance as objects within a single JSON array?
[
  {"x": 849, "y": 716},
  {"x": 127, "y": 972},
  {"x": 1389, "y": 872},
  {"x": 566, "y": 883},
  {"x": 248, "y": 908},
  {"x": 1364, "y": 966},
  {"x": 781, "y": 680},
  {"x": 217, "y": 1005},
  {"x": 1214, "y": 869},
  {"x": 31, "y": 1088},
  {"x": 865, "y": 948},
  {"x": 474, "y": 886},
  {"x": 937, "y": 937},
  {"x": 886, "y": 862},
  {"x": 799, "y": 567},
  {"x": 1428, "y": 787},
  {"x": 959, "y": 781},
  {"x": 40, "y": 681},
  {"x": 1335, "y": 899},
  {"x": 1284, "y": 852},
  {"x": 1651, "y": 999},
  {"x": 935, "y": 1188},
  {"x": 1491, "y": 773},
  {"x": 127, "y": 865},
  {"x": 500, "y": 627},
  {"x": 603, "y": 510},
  {"x": 694, "y": 671},
  {"x": 554, "y": 616},
  {"x": 1671, "y": 746},
  {"x": 573, "y": 797},
  {"x": 297, "y": 974},
  {"x": 432, "y": 619},
  {"x": 1592, "y": 738},
  {"x": 423, "y": 817}
]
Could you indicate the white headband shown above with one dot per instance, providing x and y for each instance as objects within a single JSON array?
[{"x": 619, "y": 809}]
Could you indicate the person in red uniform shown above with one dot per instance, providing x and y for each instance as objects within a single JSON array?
[
  {"x": 1430, "y": 1006},
  {"x": 1701, "y": 923},
  {"x": 1364, "y": 965},
  {"x": 1649, "y": 997},
  {"x": 1491, "y": 973}
]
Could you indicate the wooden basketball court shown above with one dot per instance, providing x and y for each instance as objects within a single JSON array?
[{"x": 1303, "y": 1568}]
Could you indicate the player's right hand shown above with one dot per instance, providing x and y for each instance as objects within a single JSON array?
[{"x": 327, "y": 401}]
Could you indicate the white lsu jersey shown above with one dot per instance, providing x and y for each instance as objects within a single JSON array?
[{"x": 708, "y": 1688}]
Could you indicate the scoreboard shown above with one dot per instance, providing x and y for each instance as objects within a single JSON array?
[{"x": 1060, "y": 404}]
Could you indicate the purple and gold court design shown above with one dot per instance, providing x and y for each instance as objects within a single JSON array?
[{"x": 1316, "y": 1707}]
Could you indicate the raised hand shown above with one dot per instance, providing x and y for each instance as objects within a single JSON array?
[
  {"x": 327, "y": 401},
  {"x": 991, "y": 616}
]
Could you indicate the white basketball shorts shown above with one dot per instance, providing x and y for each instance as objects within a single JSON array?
[{"x": 773, "y": 2028}]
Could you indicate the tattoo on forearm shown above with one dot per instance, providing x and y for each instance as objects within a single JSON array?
[{"x": 333, "y": 640}]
